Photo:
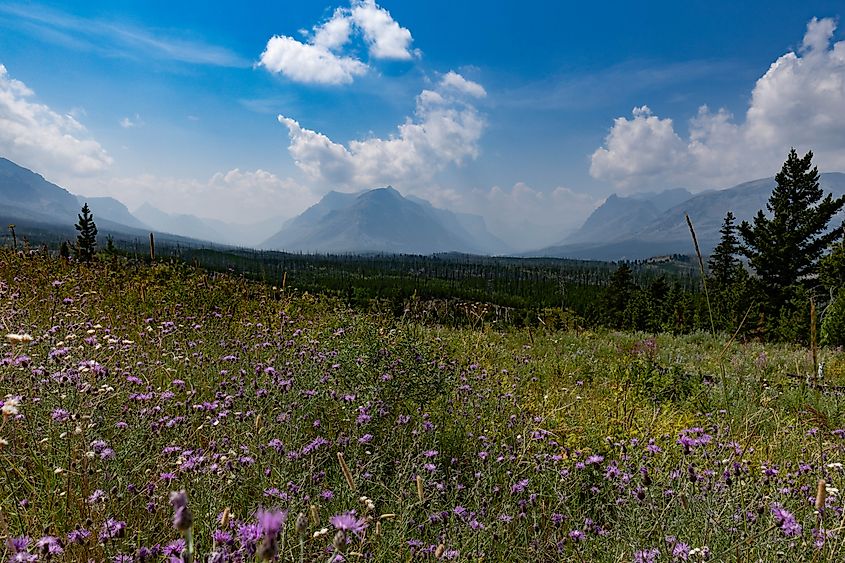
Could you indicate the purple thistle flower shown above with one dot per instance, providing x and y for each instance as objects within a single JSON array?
[
  {"x": 49, "y": 545},
  {"x": 112, "y": 529},
  {"x": 647, "y": 555},
  {"x": 349, "y": 522},
  {"x": 680, "y": 552},
  {"x": 182, "y": 518}
]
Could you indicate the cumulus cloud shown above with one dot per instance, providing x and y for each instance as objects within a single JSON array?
[
  {"x": 235, "y": 196},
  {"x": 799, "y": 101},
  {"x": 320, "y": 59},
  {"x": 38, "y": 137},
  {"x": 304, "y": 62},
  {"x": 444, "y": 130},
  {"x": 385, "y": 37}
]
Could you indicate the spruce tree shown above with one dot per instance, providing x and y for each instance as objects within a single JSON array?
[
  {"x": 723, "y": 263},
  {"x": 784, "y": 248},
  {"x": 86, "y": 240},
  {"x": 64, "y": 250}
]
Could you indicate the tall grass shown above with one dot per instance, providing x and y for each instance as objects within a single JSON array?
[{"x": 393, "y": 440}]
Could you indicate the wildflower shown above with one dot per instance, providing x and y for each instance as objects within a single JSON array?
[
  {"x": 646, "y": 555},
  {"x": 79, "y": 535},
  {"x": 112, "y": 529},
  {"x": 270, "y": 522},
  {"x": 349, "y": 522},
  {"x": 49, "y": 545},
  {"x": 680, "y": 551},
  {"x": 182, "y": 518},
  {"x": 594, "y": 459},
  {"x": 788, "y": 525},
  {"x": 18, "y": 548},
  {"x": 577, "y": 535},
  {"x": 10, "y": 407}
]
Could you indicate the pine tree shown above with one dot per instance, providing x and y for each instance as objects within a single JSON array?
[
  {"x": 785, "y": 248},
  {"x": 723, "y": 263},
  {"x": 86, "y": 240},
  {"x": 618, "y": 294},
  {"x": 64, "y": 250}
]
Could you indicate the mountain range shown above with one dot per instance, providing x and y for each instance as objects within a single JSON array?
[
  {"x": 382, "y": 220},
  {"x": 647, "y": 225}
]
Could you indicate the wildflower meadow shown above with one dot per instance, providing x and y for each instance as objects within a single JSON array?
[{"x": 158, "y": 412}]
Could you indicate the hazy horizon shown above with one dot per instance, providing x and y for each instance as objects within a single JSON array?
[{"x": 529, "y": 115}]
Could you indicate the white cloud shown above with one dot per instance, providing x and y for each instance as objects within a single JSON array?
[
  {"x": 799, "y": 101},
  {"x": 304, "y": 62},
  {"x": 236, "y": 196},
  {"x": 385, "y": 37},
  {"x": 334, "y": 33},
  {"x": 454, "y": 80},
  {"x": 129, "y": 122},
  {"x": 320, "y": 60},
  {"x": 37, "y": 137},
  {"x": 444, "y": 130}
]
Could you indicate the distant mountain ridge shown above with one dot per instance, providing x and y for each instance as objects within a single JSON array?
[
  {"x": 382, "y": 220},
  {"x": 621, "y": 229}
]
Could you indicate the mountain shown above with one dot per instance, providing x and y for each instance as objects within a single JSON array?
[
  {"x": 667, "y": 232},
  {"x": 111, "y": 209},
  {"x": 28, "y": 195},
  {"x": 178, "y": 224},
  {"x": 381, "y": 220},
  {"x": 619, "y": 217},
  {"x": 214, "y": 230}
]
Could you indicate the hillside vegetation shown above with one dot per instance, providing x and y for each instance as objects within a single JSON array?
[{"x": 394, "y": 440}]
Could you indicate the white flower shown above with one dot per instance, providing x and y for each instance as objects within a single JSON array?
[
  {"x": 10, "y": 407},
  {"x": 835, "y": 465}
]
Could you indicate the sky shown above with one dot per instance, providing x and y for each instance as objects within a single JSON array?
[{"x": 528, "y": 113}]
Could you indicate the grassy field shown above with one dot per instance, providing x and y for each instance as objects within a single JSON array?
[{"x": 304, "y": 431}]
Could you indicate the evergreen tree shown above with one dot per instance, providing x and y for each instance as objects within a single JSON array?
[
  {"x": 86, "y": 240},
  {"x": 723, "y": 263},
  {"x": 618, "y": 294},
  {"x": 785, "y": 248},
  {"x": 64, "y": 250}
]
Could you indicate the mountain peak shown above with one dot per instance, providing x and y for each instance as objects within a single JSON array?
[{"x": 379, "y": 220}]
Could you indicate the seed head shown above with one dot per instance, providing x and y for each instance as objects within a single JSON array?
[{"x": 821, "y": 495}]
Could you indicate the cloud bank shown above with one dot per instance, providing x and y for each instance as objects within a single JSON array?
[
  {"x": 444, "y": 130},
  {"x": 238, "y": 196},
  {"x": 799, "y": 101},
  {"x": 320, "y": 59},
  {"x": 38, "y": 137}
]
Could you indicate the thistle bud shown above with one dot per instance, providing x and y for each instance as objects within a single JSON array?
[
  {"x": 339, "y": 540},
  {"x": 301, "y": 524},
  {"x": 314, "y": 513}
]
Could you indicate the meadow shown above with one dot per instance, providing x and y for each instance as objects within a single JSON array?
[{"x": 302, "y": 430}]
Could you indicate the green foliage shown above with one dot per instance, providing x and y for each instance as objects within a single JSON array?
[
  {"x": 785, "y": 247},
  {"x": 725, "y": 267},
  {"x": 833, "y": 323},
  {"x": 86, "y": 240},
  {"x": 832, "y": 268},
  {"x": 651, "y": 381}
]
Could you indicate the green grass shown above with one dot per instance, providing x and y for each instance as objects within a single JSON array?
[{"x": 550, "y": 445}]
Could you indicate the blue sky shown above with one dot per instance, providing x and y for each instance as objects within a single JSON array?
[{"x": 529, "y": 113}]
